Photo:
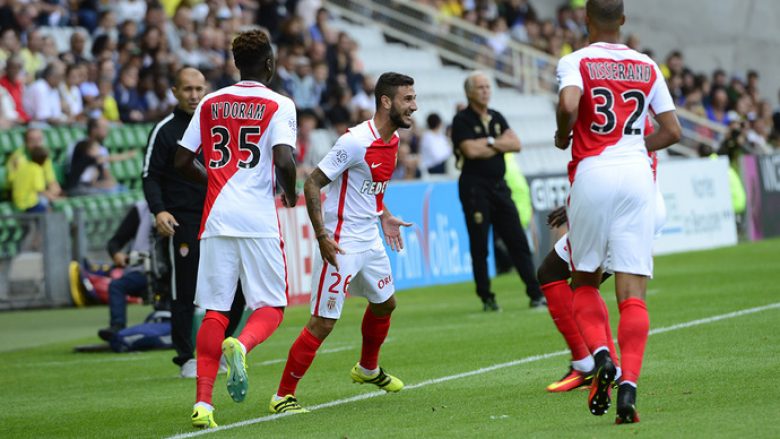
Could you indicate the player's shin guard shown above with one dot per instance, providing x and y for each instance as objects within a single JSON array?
[
  {"x": 260, "y": 325},
  {"x": 589, "y": 314},
  {"x": 208, "y": 345},
  {"x": 632, "y": 336},
  {"x": 559, "y": 303},
  {"x": 374, "y": 330},
  {"x": 299, "y": 359}
]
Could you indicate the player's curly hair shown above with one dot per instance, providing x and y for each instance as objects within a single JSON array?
[{"x": 251, "y": 49}]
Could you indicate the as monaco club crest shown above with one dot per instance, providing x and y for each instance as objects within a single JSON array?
[
  {"x": 184, "y": 250},
  {"x": 331, "y": 303}
]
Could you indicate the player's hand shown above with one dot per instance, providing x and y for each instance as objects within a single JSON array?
[
  {"x": 329, "y": 249},
  {"x": 120, "y": 259},
  {"x": 562, "y": 141},
  {"x": 391, "y": 226},
  {"x": 289, "y": 203},
  {"x": 164, "y": 222},
  {"x": 557, "y": 217}
]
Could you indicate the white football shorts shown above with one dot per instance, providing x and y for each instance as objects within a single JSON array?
[
  {"x": 562, "y": 249},
  {"x": 259, "y": 263},
  {"x": 366, "y": 274},
  {"x": 612, "y": 209}
]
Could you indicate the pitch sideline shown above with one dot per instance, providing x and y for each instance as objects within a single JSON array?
[{"x": 479, "y": 371}]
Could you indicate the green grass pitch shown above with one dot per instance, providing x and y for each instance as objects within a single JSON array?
[{"x": 709, "y": 370}]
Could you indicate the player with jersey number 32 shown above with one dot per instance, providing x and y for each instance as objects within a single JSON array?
[
  {"x": 606, "y": 90},
  {"x": 351, "y": 257},
  {"x": 247, "y": 133}
]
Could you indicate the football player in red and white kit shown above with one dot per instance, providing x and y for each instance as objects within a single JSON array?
[
  {"x": 247, "y": 134},
  {"x": 351, "y": 257},
  {"x": 605, "y": 91},
  {"x": 554, "y": 274}
]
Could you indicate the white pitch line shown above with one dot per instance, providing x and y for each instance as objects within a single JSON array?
[{"x": 480, "y": 371}]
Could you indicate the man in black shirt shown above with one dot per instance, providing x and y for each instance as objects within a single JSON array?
[
  {"x": 480, "y": 137},
  {"x": 177, "y": 205}
]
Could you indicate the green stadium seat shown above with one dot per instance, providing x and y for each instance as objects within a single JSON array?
[{"x": 17, "y": 138}]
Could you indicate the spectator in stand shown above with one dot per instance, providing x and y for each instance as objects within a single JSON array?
[
  {"x": 70, "y": 92},
  {"x": 33, "y": 139},
  {"x": 159, "y": 97},
  {"x": 435, "y": 147},
  {"x": 320, "y": 31},
  {"x": 89, "y": 174},
  {"x": 717, "y": 110},
  {"x": 13, "y": 83},
  {"x": 408, "y": 163},
  {"x": 29, "y": 191},
  {"x": 9, "y": 43},
  {"x": 131, "y": 104},
  {"x": 105, "y": 101},
  {"x": 310, "y": 148},
  {"x": 303, "y": 88},
  {"x": 76, "y": 54},
  {"x": 674, "y": 65},
  {"x": 107, "y": 25},
  {"x": 97, "y": 131},
  {"x": 364, "y": 98},
  {"x": 133, "y": 10},
  {"x": 32, "y": 55},
  {"x": 42, "y": 97}
]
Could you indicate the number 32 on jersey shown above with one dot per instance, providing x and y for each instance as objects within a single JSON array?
[{"x": 631, "y": 102}]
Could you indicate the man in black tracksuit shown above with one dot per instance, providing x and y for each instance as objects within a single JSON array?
[
  {"x": 177, "y": 205},
  {"x": 480, "y": 137}
]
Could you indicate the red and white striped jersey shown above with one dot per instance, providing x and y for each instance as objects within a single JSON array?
[
  {"x": 359, "y": 166},
  {"x": 237, "y": 127},
  {"x": 618, "y": 86}
]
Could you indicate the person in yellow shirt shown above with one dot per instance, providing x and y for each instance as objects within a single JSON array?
[
  {"x": 33, "y": 139},
  {"x": 29, "y": 192}
]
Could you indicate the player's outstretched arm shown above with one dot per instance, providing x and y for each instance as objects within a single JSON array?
[
  {"x": 566, "y": 115},
  {"x": 186, "y": 164},
  {"x": 284, "y": 162},
  {"x": 329, "y": 248},
  {"x": 391, "y": 227},
  {"x": 667, "y": 134}
]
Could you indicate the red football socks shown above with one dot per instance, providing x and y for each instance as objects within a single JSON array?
[
  {"x": 590, "y": 317},
  {"x": 559, "y": 303},
  {"x": 208, "y": 346},
  {"x": 374, "y": 330},
  {"x": 299, "y": 359},
  {"x": 610, "y": 341},
  {"x": 260, "y": 325},
  {"x": 632, "y": 336}
]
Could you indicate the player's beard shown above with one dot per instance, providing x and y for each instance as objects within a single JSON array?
[{"x": 397, "y": 119}]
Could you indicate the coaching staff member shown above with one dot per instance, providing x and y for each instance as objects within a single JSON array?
[
  {"x": 480, "y": 137},
  {"x": 177, "y": 205}
]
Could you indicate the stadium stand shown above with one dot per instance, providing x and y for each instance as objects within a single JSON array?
[{"x": 324, "y": 54}]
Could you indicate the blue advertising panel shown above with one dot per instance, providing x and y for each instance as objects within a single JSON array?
[{"x": 436, "y": 246}]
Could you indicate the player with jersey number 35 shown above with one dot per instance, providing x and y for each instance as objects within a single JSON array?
[
  {"x": 606, "y": 90},
  {"x": 351, "y": 257},
  {"x": 247, "y": 135}
]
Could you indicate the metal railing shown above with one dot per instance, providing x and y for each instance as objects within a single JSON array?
[
  {"x": 521, "y": 67},
  {"x": 455, "y": 40}
]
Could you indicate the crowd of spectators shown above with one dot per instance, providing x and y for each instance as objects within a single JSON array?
[{"x": 65, "y": 62}]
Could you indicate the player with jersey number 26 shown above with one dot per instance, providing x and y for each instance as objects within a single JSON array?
[
  {"x": 351, "y": 257},
  {"x": 247, "y": 134},
  {"x": 606, "y": 90}
]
